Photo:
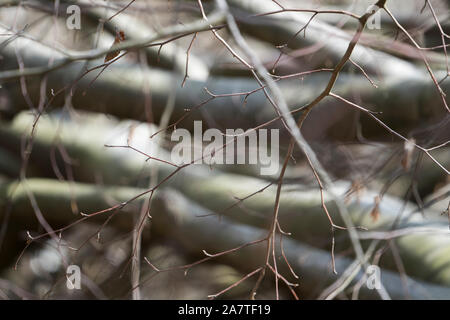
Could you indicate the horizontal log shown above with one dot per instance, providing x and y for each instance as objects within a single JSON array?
[
  {"x": 282, "y": 28},
  {"x": 176, "y": 216},
  {"x": 300, "y": 206},
  {"x": 406, "y": 102}
]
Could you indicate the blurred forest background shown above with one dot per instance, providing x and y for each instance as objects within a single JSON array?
[{"x": 86, "y": 179}]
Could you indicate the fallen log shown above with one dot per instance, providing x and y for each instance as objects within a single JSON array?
[
  {"x": 300, "y": 210},
  {"x": 405, "y": 102},
  {"x": 174, "y": 215}
]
